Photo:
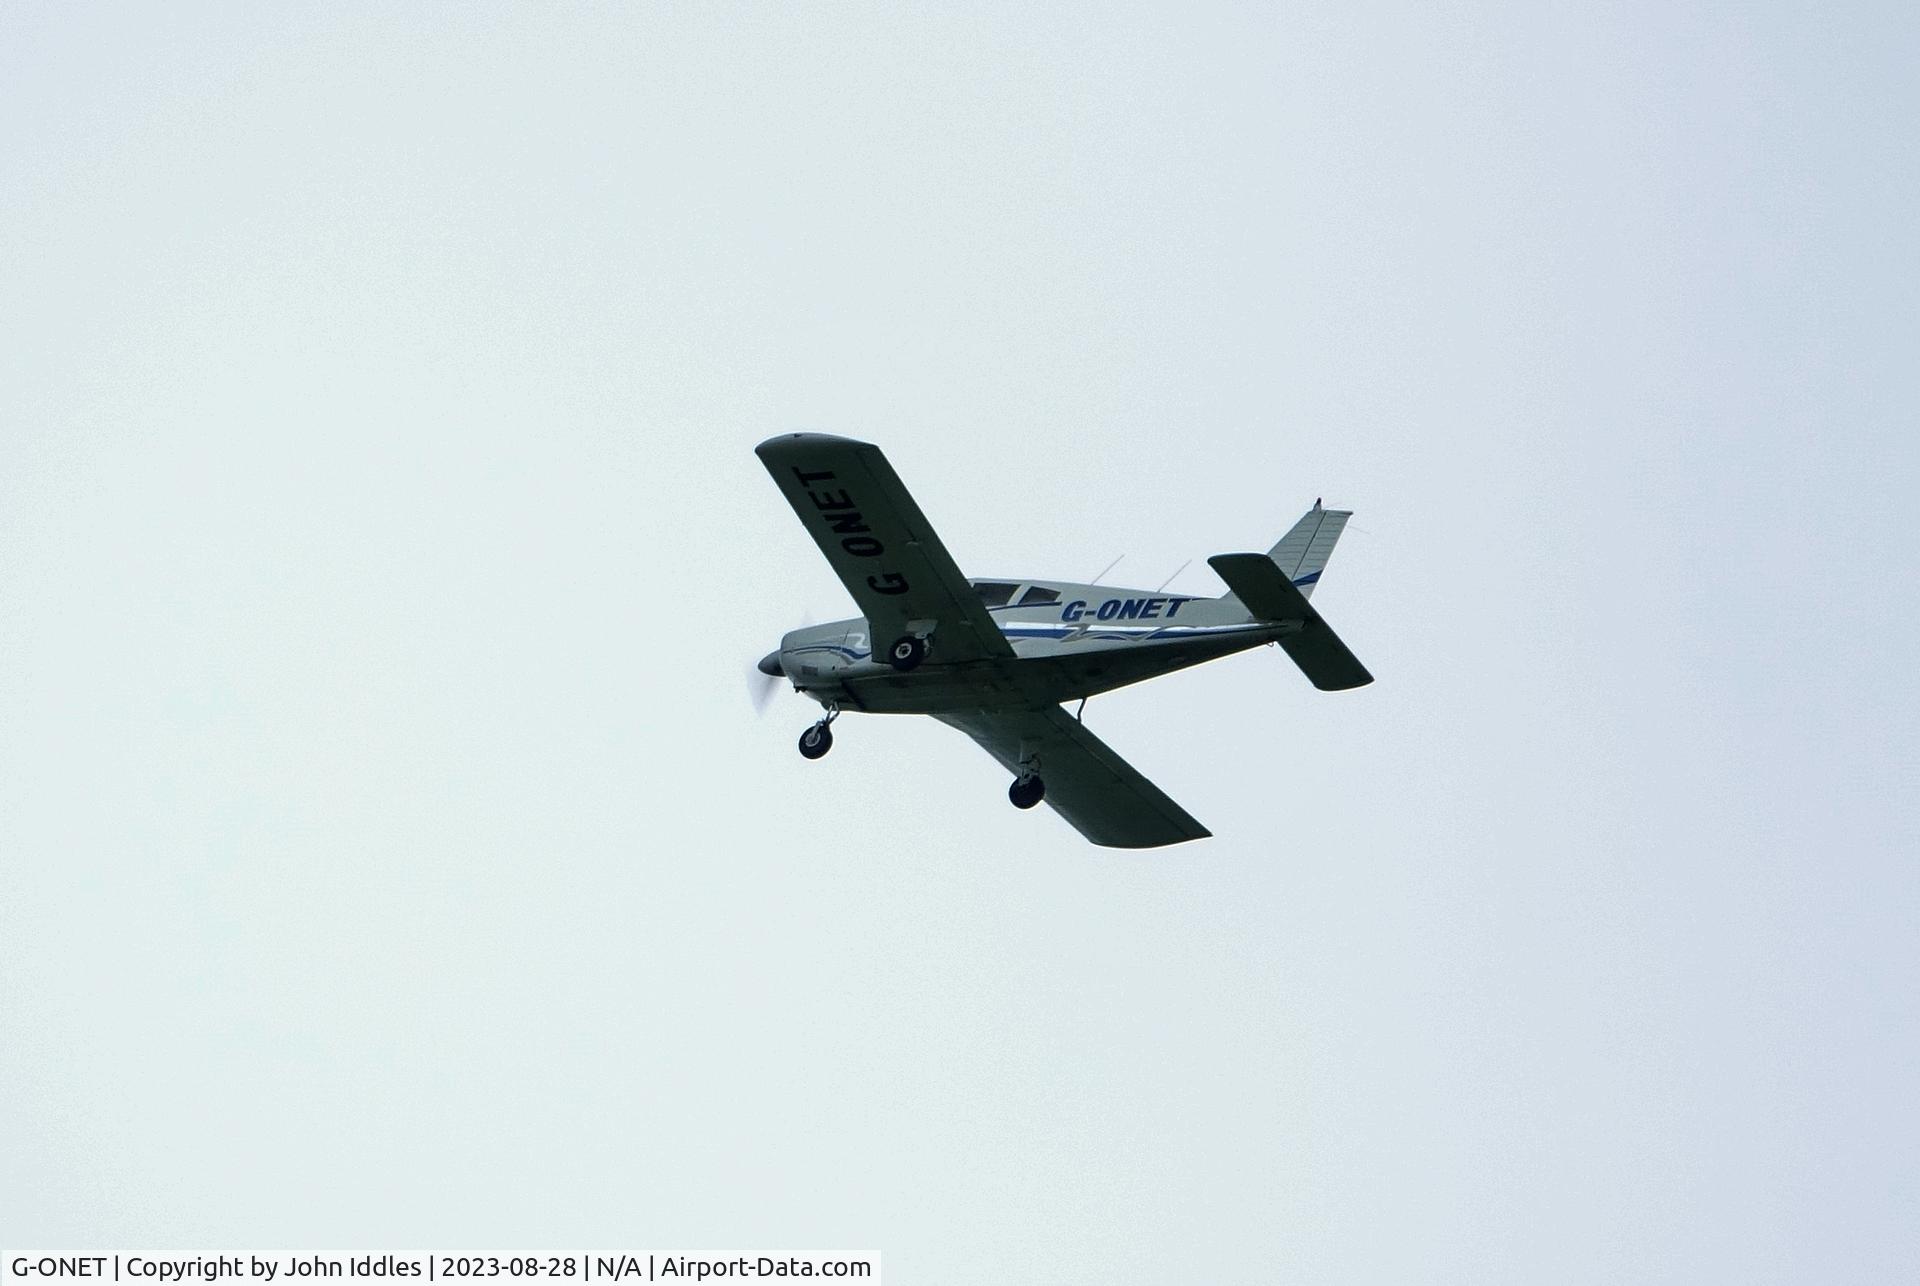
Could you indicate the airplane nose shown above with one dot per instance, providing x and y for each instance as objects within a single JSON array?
[{"x": 770, "y": 665}]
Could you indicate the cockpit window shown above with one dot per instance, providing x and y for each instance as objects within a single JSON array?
[
  {"x": 1036, "y": 595},
  {"x": 993, "y": 593}
]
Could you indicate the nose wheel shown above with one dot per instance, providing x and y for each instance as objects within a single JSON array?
[
  {"x": 1027, "y": 791},
  {"x": 818, "y": 739}
]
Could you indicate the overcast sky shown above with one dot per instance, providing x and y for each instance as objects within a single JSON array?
[{"x": 389, "y": 853}]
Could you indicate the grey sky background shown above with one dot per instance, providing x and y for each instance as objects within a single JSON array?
[{"x": 389, "y": 853}]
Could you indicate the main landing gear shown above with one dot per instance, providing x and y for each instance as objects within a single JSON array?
[
  {"x": 908, "y": 651},
  {"x": 818, "y": 739},
  {"x": 1027, "y": 791}
]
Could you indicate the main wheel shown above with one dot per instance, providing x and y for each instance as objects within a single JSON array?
[
  {"x": 816, "y": 741},
  {"x": 906, "y": 652},
  {"x": 1027, "y": 791}
]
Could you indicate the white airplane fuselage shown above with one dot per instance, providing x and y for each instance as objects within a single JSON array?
[{"x": 1069, "y": 641}]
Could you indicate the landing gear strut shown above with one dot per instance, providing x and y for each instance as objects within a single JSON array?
[
  {"x": 907, "y": 651},
  {"x": 1027, "y": 791},
  {"x": 818, "y": 739}
]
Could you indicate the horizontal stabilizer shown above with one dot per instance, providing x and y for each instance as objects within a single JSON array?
[{"x": 1257, "y": 581}]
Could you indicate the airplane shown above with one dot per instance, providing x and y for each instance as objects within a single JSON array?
[{"x": 999, "y": 657}]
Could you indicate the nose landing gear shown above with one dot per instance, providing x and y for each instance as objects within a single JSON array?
[{"x": 817, "y": 740}]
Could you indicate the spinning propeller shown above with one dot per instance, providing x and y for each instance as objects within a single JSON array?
[
  {"x": 765, "y": 674},
  {"x": 760, "y": 686}
]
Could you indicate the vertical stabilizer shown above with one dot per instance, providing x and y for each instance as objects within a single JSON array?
[{"x": 1303, "y": 552}]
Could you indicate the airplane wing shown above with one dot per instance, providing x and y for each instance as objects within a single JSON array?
[
  {"x": 1100, "y": 794},
  {"x": 880, "y": 545}
]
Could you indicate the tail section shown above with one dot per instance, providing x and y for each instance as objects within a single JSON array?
[
  {"x": 1275, "y": 588},
  {"x": 1303, "y": 552},
  {"x": 1268, "y": 595}
]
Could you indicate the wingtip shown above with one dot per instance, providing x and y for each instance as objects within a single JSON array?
[{"x": 798, "y": 439}]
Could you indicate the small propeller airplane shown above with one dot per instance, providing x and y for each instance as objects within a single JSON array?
[{"x": 998, "y": 658}]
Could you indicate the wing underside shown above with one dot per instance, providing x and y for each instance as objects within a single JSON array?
[
  {"x": 1100, "y": 794},
  {"x": 881, "y": 546}
]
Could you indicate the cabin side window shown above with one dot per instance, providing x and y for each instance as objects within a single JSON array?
[
  {"x": 993, "y": 593},
  {"x": 1036, "y": 596}
]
